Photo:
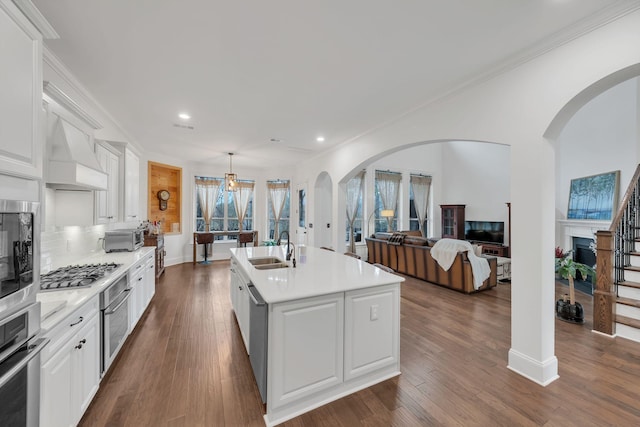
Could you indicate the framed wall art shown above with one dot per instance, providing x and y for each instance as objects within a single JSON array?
[{"x": 594, "y": 197}]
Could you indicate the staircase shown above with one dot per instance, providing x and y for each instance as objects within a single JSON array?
[{"x": 616, "y": 298}]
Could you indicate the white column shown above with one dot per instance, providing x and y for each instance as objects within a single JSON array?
[{"x": 533, "y": 281}]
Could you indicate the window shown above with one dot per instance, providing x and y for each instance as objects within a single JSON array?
[
  {"x": 418, "y": 202},
  {"x": 355, "y": 195},
  {"x": 386, "y": 199},
  {"x": 278, "y": 208},
  {"x": 213, "y": 201}
]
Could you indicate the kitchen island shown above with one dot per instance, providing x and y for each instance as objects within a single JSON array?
[{"x": 317, "y": 332}]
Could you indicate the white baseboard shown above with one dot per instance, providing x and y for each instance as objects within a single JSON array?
[{"x": 541, "y": 372}]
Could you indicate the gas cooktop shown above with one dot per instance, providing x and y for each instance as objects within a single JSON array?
[{"x": 74, "y": 276}]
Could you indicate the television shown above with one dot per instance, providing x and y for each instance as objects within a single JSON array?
[{"x": 484, "y": 231}]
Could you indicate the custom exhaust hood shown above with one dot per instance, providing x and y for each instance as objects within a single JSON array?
[{"x": 72, "y": 163}]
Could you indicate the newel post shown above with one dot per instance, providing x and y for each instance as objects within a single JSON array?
[{"x": 604, "y": 296}]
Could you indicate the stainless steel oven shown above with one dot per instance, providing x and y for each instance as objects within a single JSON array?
[
  {"x": 114, "y": 306},
  {"x": 19, "y": 255},
  {"x": 20, "y": 367}
]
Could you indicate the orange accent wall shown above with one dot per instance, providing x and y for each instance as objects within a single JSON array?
[{"x": 165, "y": 177}]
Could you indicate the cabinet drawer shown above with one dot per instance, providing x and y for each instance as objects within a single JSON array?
[{"x": 70, "y": 325}]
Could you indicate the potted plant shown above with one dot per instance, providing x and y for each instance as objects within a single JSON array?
[{"x": 570, "y": 310}]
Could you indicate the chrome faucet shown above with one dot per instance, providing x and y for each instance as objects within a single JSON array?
[{"x": 291, "y": 252}]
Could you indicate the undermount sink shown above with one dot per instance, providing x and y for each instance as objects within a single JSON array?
[
  {"x": 269, "y": 260},
  {"x": 271, "y": 266}
]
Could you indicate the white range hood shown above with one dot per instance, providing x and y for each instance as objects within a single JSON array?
[{"x": 73, "y": 165}]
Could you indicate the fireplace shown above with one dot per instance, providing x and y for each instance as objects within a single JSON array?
[{"x": 582, "y": 253}]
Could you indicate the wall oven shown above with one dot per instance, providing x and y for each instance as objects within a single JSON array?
[
  {"x": 19, "y": 255},
  {"x": 20, "y": 367},
  {"x": 114, "y": 307}
]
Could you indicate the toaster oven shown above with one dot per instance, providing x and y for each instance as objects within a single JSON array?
[{"x": 123, "y": 240}]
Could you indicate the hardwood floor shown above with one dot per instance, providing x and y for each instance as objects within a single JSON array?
[{"x": 185, "y": 365}]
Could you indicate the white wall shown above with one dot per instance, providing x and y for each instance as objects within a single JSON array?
[
  {"x": 601, "y": 137},
  {"x": 477, "y": 175}
]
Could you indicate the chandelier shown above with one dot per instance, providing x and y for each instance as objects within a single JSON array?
[{"x": 230, "y": 178}]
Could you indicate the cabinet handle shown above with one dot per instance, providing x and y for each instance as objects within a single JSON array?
[
  {"x": 74, "y": 324},
  {"x": 139, "y": 278},
  {"x": 82, "y": 341}
]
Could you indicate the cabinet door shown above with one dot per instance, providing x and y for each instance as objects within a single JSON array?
[
  {"x": 56, "y": 393},
  {"x": 131, "y": 186},
  {"x": 150, "y": 281},
  {"x": 372, "y": 330},
  {"x": 86, "y": 370},
  {"x": 20, "y": 94},
  {"x": 107, "y": 200},
  {"x": 305, "y": 348},
  {"x": 233, "y": 287},
  {"x": 136, "y": 300},
  {"x": 243, "y": 312}
]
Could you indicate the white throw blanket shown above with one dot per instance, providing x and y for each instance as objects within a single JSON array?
[{"x": 445, "y": 251}]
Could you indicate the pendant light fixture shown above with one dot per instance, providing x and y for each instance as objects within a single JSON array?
[{"x": 230, "y": 178}]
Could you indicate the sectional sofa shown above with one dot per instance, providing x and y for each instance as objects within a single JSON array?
[{"x": 409, "y": 254}]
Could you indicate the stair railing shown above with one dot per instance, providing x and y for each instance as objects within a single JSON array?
[{"x": 614, "y": 247}]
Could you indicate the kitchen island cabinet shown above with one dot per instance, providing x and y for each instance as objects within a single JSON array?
[{"x": 333, "y": 327}]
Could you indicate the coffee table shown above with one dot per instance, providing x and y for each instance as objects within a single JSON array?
[{"x": 504, "y": 269}]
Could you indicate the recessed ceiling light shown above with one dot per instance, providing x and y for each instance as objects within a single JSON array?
[
  {"x": 320, "y": 139},
  {"x": 184, "y": 116}
]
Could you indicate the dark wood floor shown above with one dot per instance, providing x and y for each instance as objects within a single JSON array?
[{"x": 185, "y": 365}]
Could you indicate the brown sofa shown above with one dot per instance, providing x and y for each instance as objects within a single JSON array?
[{"x": 411, "y": 255}]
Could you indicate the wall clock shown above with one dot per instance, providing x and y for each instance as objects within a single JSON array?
[{"x": 163, "y": 196}]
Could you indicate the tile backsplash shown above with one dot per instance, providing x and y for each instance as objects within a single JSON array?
[{"x": 71, "y": 245}]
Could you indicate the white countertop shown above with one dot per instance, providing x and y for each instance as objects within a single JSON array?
[
  {"x": 56, "y": 305},
  {"x": 323, "y": 272}
]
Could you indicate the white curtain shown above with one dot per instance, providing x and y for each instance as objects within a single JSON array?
[
  {"x": 388, "y": 184},
  {"x": 207, "y": 191},
  {"x": 354, "y": 195},
  {"x": 241, "y": 198},
  {"x": 421, "y": 186},
  {"x": 278, "y": 191}
]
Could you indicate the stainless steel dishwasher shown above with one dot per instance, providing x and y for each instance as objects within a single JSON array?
[{"x": 258, "y": 335}]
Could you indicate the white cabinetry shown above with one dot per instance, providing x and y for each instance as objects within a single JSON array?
[
  {"x": 20, "y": 94},
  {"x": 142, "y": 281},
  {"x": 372, "y": 330},
  {"x": 149, "y": 279},
  {"x": 136, "y": 300},
  {"x": 70, "y": 373},
  {"x": 107, "y": 200},
  {"x": 240, "y": 301},
  {"x": 305, "y": 348},
  {"x": 131, "y": 186}
]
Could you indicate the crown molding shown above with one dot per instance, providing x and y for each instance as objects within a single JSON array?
[
  {"x": 37, "y": 19},
  {"x": 64, "y": 100}
]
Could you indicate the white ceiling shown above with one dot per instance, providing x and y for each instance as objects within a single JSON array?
[{"x": 249, "y": 71}]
